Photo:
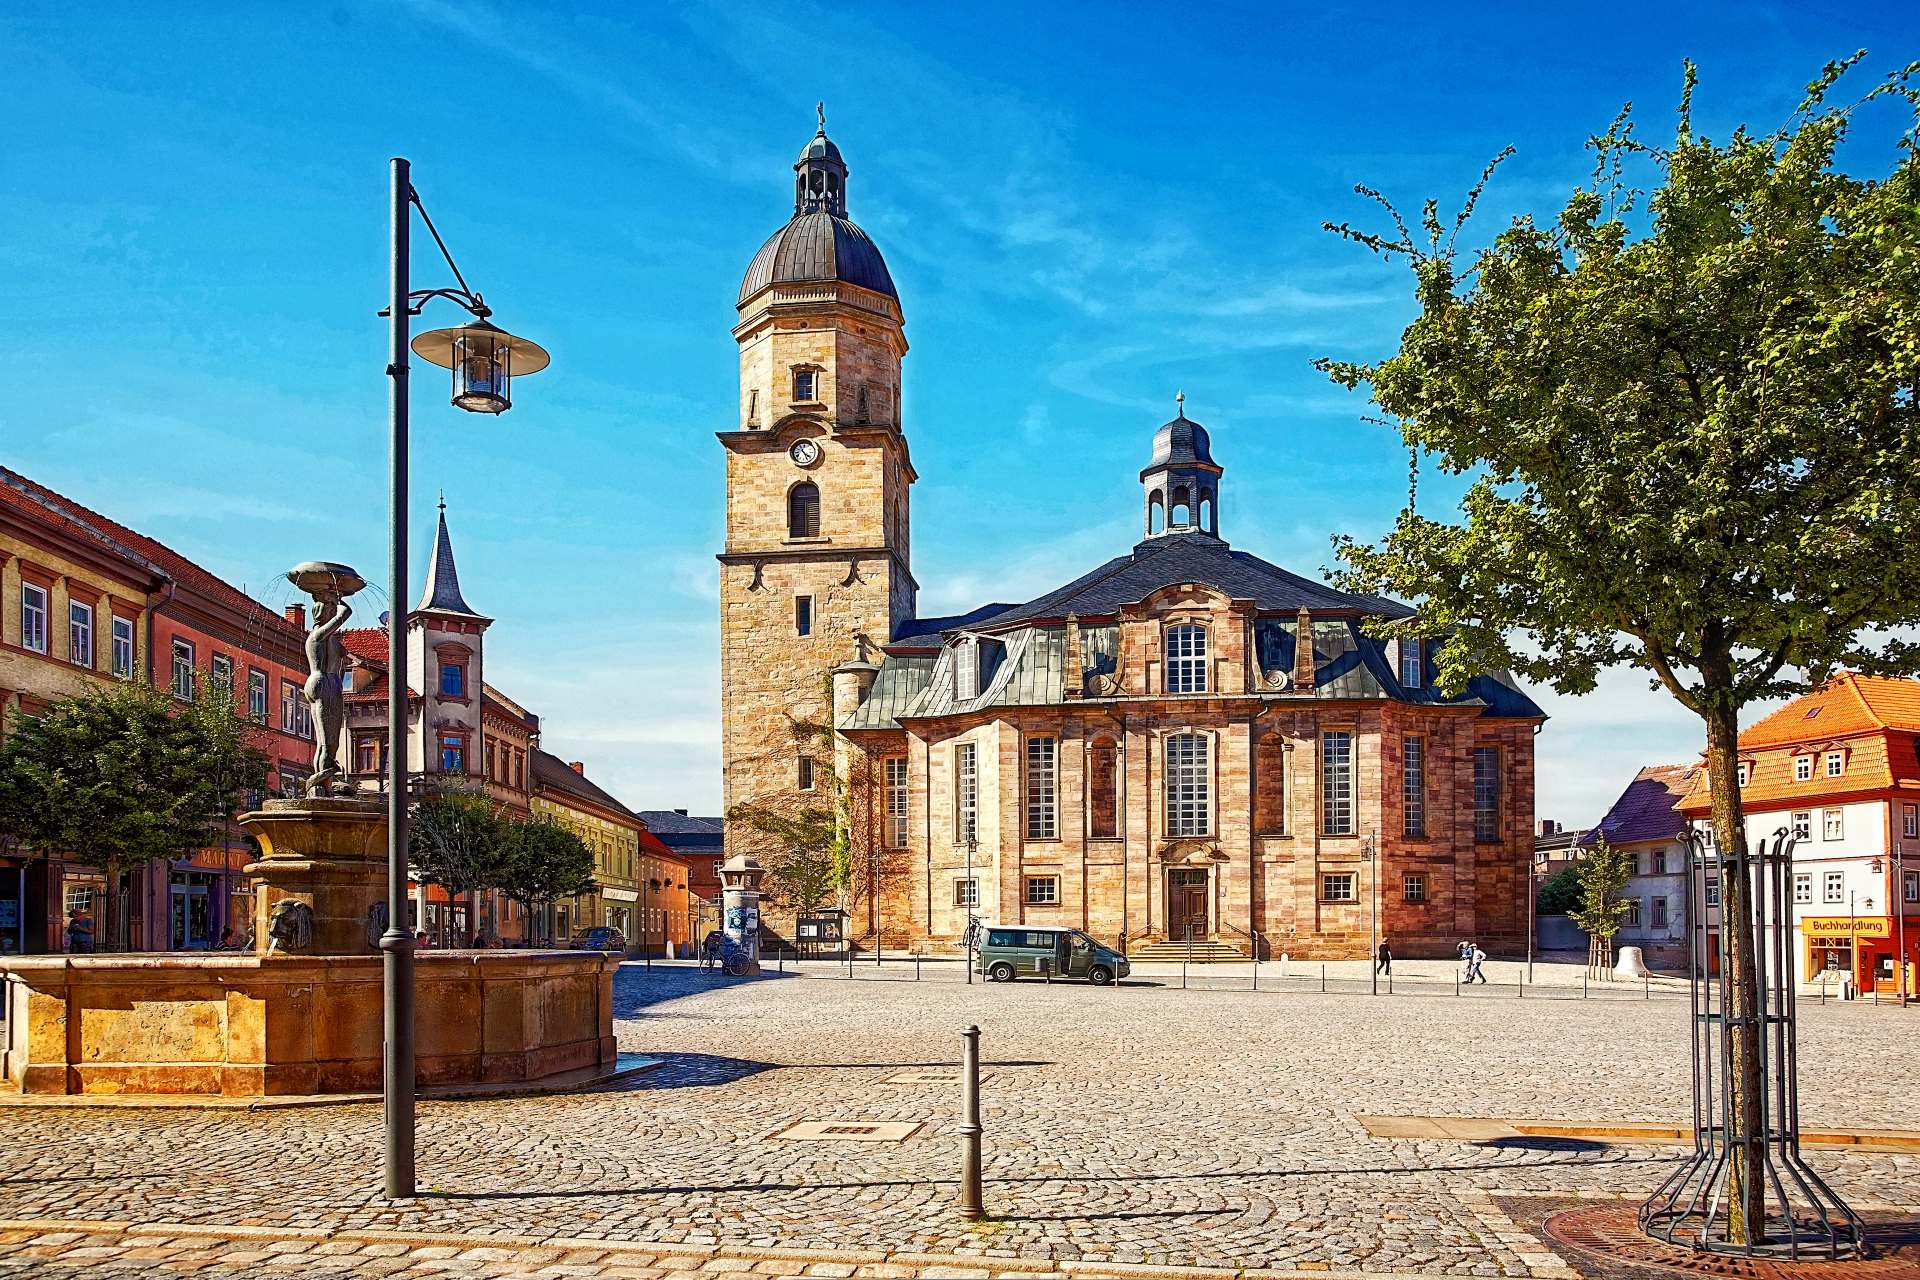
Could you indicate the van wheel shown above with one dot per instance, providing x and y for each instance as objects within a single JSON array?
[
  {"x": 1001, "y": 972},
  {"x": 1100, "y": 975}
]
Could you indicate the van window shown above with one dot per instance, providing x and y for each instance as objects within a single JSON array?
[
  {"x": 1042, "y": 941},
  {"x": 1002, "y": 938}
]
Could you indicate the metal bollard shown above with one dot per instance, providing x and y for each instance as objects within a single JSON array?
[
  {"x": 780, "y": 958},
  {"x": 970, "y": 1206},
  {"x": 1520, "y": 989},
  {"x": 1256, "y": 970},
  {"x": 1456, "y": 980},
  {"x": 916, "y": 966},
  {"x": 1646, "y": 987},
  {"x": 1389, "y": 982},
  {"x": 1323, "y": 979},
  {"x": 1183, "y": 973}
]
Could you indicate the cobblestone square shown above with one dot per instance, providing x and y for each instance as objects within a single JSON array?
[{"x": 1144, "y": 1126}]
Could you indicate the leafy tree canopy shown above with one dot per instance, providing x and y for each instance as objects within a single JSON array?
[
  {"x": 125, "y": 774},
  {"x": 1600, "y": 910},
  {"x": 541, "y": 862},
  {"x": 456, "y": 839}
]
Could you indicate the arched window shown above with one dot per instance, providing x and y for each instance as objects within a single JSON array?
[
  {"x": 1186, "y": 647},
  {"x": 1182, "y": 510},
  {"x": 803, "y": 510},
  {"x": 1206, "y": 514},
  {"x": 1156, "y": 515},
  {"x": 1103, "y": 789}
]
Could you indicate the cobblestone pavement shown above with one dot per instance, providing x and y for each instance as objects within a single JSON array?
[{"x": 1138, "y": 1126}]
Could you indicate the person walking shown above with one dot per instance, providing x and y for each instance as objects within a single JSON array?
[
  {"x": 1478, "y": 958},
  {"x": 80, "y": 932},
  {"x": 1383, "y": 963}
]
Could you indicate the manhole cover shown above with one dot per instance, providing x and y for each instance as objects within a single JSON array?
[
  {"x": 847, "y": 1131},
  {"x": 1611, "y": 1233},
  {"x": 926, "y": 1077}
]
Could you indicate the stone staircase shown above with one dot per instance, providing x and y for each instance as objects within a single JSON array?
[{"x": 1174, "y": 950}]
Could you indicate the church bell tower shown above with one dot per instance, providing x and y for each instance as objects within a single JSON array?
[{"x": 815, "y": 570}]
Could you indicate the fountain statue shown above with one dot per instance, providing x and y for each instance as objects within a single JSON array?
[{"x": 329, "y": 584}]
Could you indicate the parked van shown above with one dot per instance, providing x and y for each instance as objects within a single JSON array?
[{"x": 1031, "y": 951}]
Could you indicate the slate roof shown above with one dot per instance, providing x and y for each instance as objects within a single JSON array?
[
  {"x": 929, "y": 629},
  {"x": 818, "y": 245},
  {"x": 1182, "y": 442},
  {"x": 1191, "y": 557},
  {"x": 554, "y": 774},
  {"x": 442, "y": 590},
  {"x": 1648, "y": 809},
  {"x": 902, "y": 678}
]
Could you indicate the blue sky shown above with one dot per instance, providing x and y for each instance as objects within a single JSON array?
[{"x": 1085, "y": 209}]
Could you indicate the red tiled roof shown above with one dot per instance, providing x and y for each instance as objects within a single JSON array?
[
  {"x": 366, "y": 642},
  {"x": 16, "y": 491},
  {"x": 1847, "y": 704},
  {"x": 650, "y": 844},
  {"x": 171, "y": 562}
]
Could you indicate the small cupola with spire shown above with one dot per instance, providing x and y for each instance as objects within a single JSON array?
[
  {"x": 1181, "y": 480},
  {"x": 820, "y": 175}
]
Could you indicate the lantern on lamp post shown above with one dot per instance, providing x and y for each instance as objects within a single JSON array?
[{"x": 485, "y": 359}]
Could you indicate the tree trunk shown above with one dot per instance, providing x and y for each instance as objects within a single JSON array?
[
  {"x": 106, "y": 936},
  {"x": 1743, "y": 1001}
]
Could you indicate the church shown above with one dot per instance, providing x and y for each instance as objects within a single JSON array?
[{"x": 1185, "y": 746}]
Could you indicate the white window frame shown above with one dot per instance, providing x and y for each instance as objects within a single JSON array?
[
  {"x": 80, "y": 633},
  {"x": 966, "y": 893},
  {"x": 1413, "y": 786},
  {"x": 1043, "y": 788},
  {"x": 259, "y": 695},
  {"x": 1041, "y": 891},
  {"x": 1713, "y": 891},
  {"x": 1189, "y": 785},
  {"x": 1340, "y": 886},
  {"x": 1910, "y": 821},
  {"x": 1633, "y": 913},
  {"x": 1745, "y": 772},
  {"x": 1336, "y": 783},
  {"x": 1803, "y": 824},
  {"x": 181, "y": 682},
  {"x": 289, "y": 706},
  {"x": 1184, "y": 646},
  {"x": 966, "y": 792},
  {"x": 1833, "y": 823},
  {"x": 1836, "y": 764},
  {"x": 222, "y": 671},
  {"x": 34, "y": 606},
  {"x": 1910, "y": 886},
  {"x": 966, "y": 669},
  {"x": 121, "y": 641},
  {"x": 1833, "y": 886},
  {"x": 1412, "y": 665},
  {"x": 1802, "y": 887},
  {"x": 806, "y": 386},
  {"x": 893, "y": 774},
  {"x": 1803, "y": 768}
]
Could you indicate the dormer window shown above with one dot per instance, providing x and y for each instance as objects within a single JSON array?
[
  {"x": 1836, "y": 763},
  {"x": 1746, "y": 772},
  {"x": 1412, "y": 675},
  {"x": 966, "y": 669},
  {"x": 1802, "y": 768},
  {"x": 806, "y": 384},
  {"x": 1186, "y": 647}
]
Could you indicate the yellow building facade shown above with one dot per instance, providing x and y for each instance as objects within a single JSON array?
[{"x": 563, "y": 793}]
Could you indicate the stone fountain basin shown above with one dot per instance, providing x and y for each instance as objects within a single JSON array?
[{"x": 236, "y": 1026}]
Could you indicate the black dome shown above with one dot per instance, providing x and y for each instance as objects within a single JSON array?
[
  {"x": 1181, "y": 442},
  {"x": 818, "y": 245},
  {"x": 821, "y": 148}
]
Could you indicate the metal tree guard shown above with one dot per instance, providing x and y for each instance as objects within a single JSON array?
[{"x": 1694, "y": 1207}]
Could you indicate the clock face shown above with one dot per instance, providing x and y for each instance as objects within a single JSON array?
[{"x": 804, "y": 453}]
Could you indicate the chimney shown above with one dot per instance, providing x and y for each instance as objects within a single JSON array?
[
  {"x": 578, "y": 766},
  {"x": 681, "y": 812},
  {"x": 297, "y": 615},
  {"x": 1548, "y": 827},
  {"x": 1303, "y": 650}
]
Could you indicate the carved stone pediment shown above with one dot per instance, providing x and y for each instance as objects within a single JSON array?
[{"x": 1191, "y": 853}]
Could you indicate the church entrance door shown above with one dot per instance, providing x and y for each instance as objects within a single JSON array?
[{"x": 1186, "y": 903}]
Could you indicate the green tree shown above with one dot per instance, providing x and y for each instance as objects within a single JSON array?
[
  {"x": 1601, "y": 910},
  {"x": 1561, "y": 893},
  {"x": 124, "y": 774},
  {"x": 455, "y": 840},
  {"x": 542, "y": 862},
  {"x": 1691, "y": 429}
]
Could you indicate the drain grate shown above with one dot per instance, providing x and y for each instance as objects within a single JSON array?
[
  {"x": 847, "y": 1131},
  {"x": 926, "y": 1077}
]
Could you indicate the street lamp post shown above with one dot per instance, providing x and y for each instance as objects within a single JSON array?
[
  {"x": 484, "y": 360},
  {"x": 973, "y": 899},
  {"x": 1534, "y": 868},
  {"x": 1899, "y": 890},
  {"x": 1373, "y": 908}
]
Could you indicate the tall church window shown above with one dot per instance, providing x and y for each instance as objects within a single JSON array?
[
  {"x": 1486, "y": 793},
  {"x": 894, "y": 775},
  {"x": 1103, "y": 790},
  {"x": 1413, "y": 764},
  {"x": 1188, "y": 784},
  {"x": 1187, "y": 658},
  {"x": 803, "y": 510},
  {"x": 966, "y": 792},
  {"x": 1336, "y": 783},
  {"x": 1043, "y": 819}
]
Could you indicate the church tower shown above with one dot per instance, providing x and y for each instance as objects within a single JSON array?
[{"x": 815, "y": 571}]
